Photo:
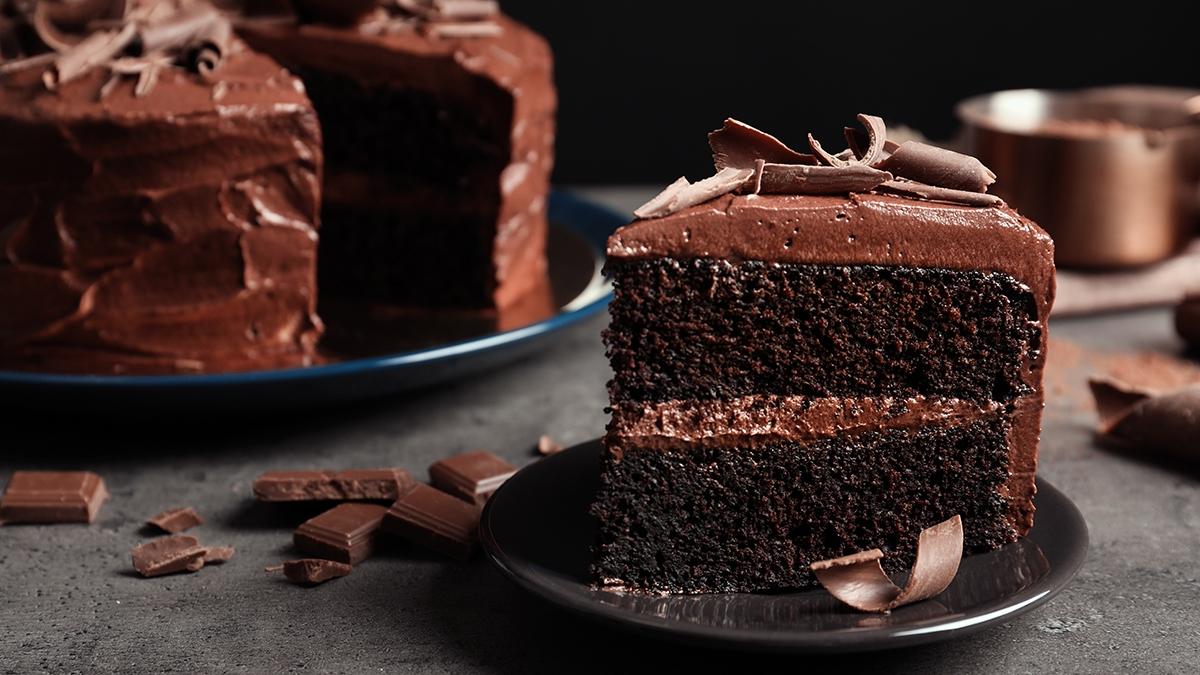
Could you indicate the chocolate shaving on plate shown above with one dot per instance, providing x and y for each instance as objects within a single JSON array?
[
  {"x": 739, "y": 145},
  {"x": 859, "y": 580},
  {"x": 796, "y": 179},
  {"x": 910, "y": 188},
  {"x": 944, "y": 168},
  {"x": 682, "y": 194},
  {"x": 1148, "y": 420}
]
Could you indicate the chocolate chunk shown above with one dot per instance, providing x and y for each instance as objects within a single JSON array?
[
  {"x": 312, "y": 571},
  {"x": 1151, "y": 421},
  {"x": 436, "y": 520},
  {"x": 168, "y": 555},
  {"x": 52, "y": 497},
  {"x": 345, "y": 533},
  {"x": 218, "y": 554},
  {"x": 1187, "y": 321},
  {"x": 682, "y": 194},
  {"x": 932, "y": 165},
  {"x": 547, "y": 446},
  {"x": 909, "y": 188},
  {"x": 738, "y": 145},
  {"x": 796, "y": 179},
  {"x": 472, "y": 476},
  {"x": 355, "y": 484},
  {"x": 859, "y": 580},
  {"x": 176, "y": 520}
]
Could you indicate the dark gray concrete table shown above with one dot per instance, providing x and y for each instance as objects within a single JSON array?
[{"x": 69, "y": 601}]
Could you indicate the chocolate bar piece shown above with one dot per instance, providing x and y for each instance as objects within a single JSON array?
[
  {"x": 472, "y": 476},
  {"x": 436, "y": 520},
  {"x": 354, "y": 484},
  {"x": 168, "y": 555},
  {"x": 52, "y": 497},
  {"x": 345, "y": 533},
  {"x": 175, "y": 521},
  {"x": 313, "y": 571}
]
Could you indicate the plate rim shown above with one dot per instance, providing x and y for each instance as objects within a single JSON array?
[
  {"x": 593, "y": 221},
  {"x": 841, "y": 641}
]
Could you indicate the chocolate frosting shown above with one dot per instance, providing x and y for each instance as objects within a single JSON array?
[{"x": 172, "y": 231}]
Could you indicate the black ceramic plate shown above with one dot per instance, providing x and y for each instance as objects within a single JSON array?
[
  {"x": 372, "y": 350},
  {"x": 537, "y": 531}
]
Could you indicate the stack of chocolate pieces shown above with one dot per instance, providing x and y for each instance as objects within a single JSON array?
[{"x": 442, "y": 517}]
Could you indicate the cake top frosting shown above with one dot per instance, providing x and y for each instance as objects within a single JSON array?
[
  {"x": 753, "y": 162},
  {"x": 130, "y": 58}
]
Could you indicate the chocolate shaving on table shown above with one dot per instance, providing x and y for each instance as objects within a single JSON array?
[
  {"x": 740, "y": 145},
  {"x": 174, "y": 521},
  {"x": 859, "y": 580},
  {"x": 168, "y": 555},
  {"x": 911, "y": 188},
  {"x": 1156, "y": 422},
  {"x": 547, "y": 446},
  {"x": 798, "y": 179},
  {"x": 944, "y": 168},
  {"x": 1187, "y": 320}
]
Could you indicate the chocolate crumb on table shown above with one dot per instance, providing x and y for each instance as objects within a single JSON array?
[
  {"x": 52, "y": 497},
  {"x": 547, "y": 446},
  {"x": 472, "y": 476},
  {"x": 436, "y": 520},
  {"x": 311, "y": 571},
  {"x": 349, "y": 485},
  {"x": 174, "y": 521},
  {"x": 346, "y": 533}
]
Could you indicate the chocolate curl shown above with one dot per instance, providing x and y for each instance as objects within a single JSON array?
[
  {"x": 460, "y": 10},
  {"x": 177, "y": 29},
  {"x": 943, "y": 168},
  {"x": 859, "y": 580},
  {"x": 463, "y": 30},
  {"x": 1166, "y": 423},
  {"x": 795, "y": 179},
  {"x": 93, "y": 51},
  {"x": 210, "y": 46},
  {"x": 911, "y": 188},
  {"x": 856, "y": 154},
  {"x": 738, "y": 145},
  {"x": 682, "y": 194},
  {"x": 1187, "y": 320},
  {"x": 62, "y": 25}
]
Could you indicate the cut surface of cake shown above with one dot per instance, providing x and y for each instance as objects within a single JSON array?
[
  {"x": 159, "y": 189},
  {"x": 815, "y": 355},
  {"x": 439, "y": 126}
]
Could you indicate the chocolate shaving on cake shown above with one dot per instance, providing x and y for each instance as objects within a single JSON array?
[
  {"x": 739, "y": 145},
  {"x": 911, "y": 188},
  {"x": 1147, "y": 420},
  {"x": 80, "y": 36},
  {"x": 796, "y": 179},
  {"x": 682, "y": 193},
  {"x": 938, "y": 166},
  {"x": 434, "y": 18},
  {"x": 871, "y": 163},
  {"x": 859, "y": 580}
]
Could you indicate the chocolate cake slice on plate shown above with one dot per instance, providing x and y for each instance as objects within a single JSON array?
[{"x": 818, "y": 354}]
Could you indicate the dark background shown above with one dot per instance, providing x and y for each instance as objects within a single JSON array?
[{"x": 640, "y": 83}]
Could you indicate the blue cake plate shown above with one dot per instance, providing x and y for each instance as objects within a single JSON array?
[{"x": 578, "y": 232}]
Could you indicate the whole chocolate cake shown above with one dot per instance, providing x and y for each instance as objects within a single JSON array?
[
  {"x": 438, "y": 118},
  {"x": 815, "y": 355},
  {"x": 159, "y": 189}
]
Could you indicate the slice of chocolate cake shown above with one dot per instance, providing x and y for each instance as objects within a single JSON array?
[
  {"x": 814, "y": 355},
  {"x": 159, "y": 187},
  {"x": 438, "y": 118}
]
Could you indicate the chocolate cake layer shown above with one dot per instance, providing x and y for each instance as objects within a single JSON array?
[
  {"x": 439, "y": 155},
  {"x": 717, "y": 329},
  {"x": 752, "y": 517},
  {"x": 171, "y": 231}
]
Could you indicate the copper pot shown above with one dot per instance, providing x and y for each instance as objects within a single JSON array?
[{"x": 1111, "y": 173}]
